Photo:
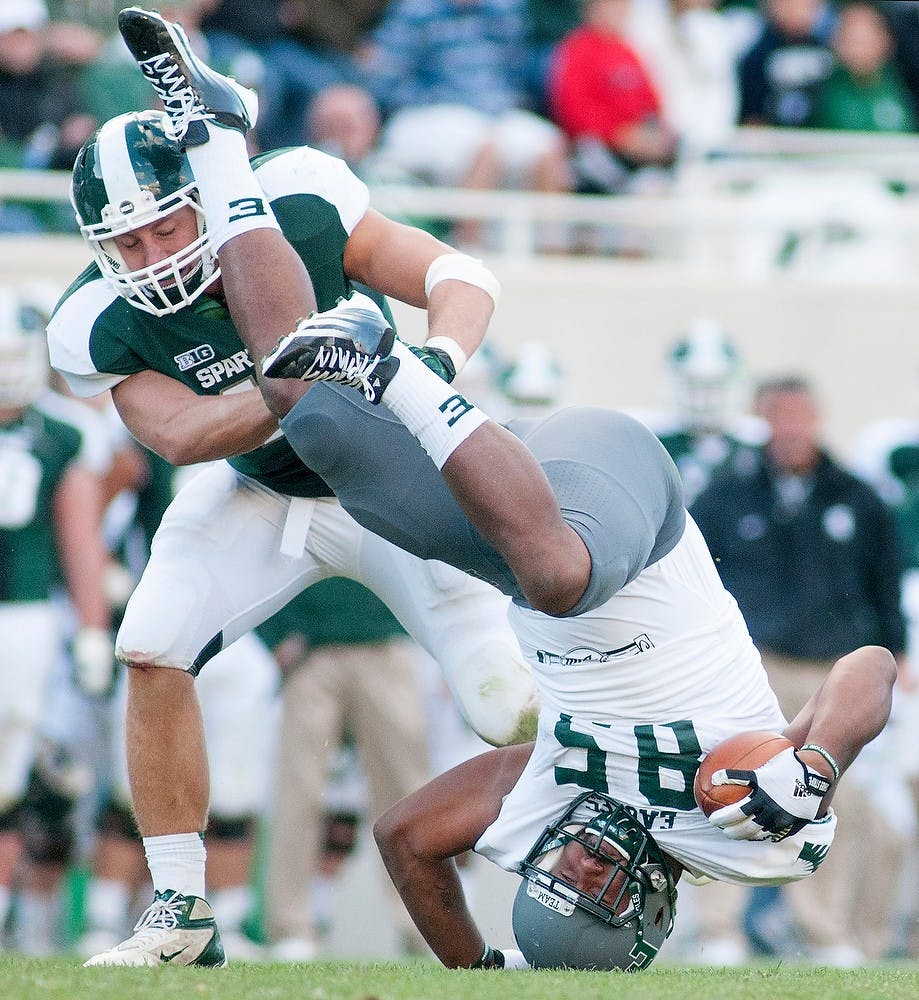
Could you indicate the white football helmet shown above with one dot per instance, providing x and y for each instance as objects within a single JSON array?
[
  {"x": 127, "y": 175},
  {"x": 705, "y": 367},
  {"x": 23, "y": 351}
]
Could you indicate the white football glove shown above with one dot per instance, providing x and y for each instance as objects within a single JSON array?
[
  {"x": 93, "y": 655},
  {"x": 785, "y": 795}
]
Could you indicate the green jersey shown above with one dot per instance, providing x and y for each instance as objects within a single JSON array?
[
  {"x": 334, "y": 611},
  {"x": 697, "y": 456},
  {"x": 97, "y": 338},
  {"x": 36, "y": 451}
]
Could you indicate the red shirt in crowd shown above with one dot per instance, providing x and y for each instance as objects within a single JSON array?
[{"x": 598, "y": 86}]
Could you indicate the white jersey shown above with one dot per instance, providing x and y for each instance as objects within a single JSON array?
[{"x": 634, "y": 693}]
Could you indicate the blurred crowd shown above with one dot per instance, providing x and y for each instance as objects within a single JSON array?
[{"x": 598, "y": 96}]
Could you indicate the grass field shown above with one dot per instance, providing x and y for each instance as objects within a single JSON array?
[{"x": 64, "y": 979}]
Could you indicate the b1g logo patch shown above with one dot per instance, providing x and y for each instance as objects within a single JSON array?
[{"x": 196, "y": 356}]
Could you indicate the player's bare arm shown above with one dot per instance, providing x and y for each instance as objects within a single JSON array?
[
  {"x": 184, "y": 428},
  {"x": 77, "y": 518},
  {"x": 395, "y": 259},
  {"x": 796, "y": 786},
  {"x": 419, "y": 837},
  {"x": 864, "y": 679}
]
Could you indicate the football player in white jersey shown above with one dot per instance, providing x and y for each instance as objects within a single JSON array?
[{"x": 642, "y": 658}]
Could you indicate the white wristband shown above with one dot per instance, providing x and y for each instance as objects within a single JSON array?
[
  {"x": 452, "y": 348},
  {"x": 462, "y": 267}
]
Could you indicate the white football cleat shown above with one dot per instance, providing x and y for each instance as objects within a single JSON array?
[{"x": 174, "y": 929}]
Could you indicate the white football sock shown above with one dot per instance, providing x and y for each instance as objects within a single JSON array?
[
  {"x": 323, "y": 899},
  {"x": 434, "y": 412},
  {"x": 176, "y": 861},
  {"x": 231, "y": 197}
]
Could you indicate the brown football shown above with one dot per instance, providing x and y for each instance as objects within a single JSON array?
[{"x": 745, "y": 751}]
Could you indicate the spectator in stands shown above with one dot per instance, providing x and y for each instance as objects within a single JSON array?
[
  {"x": 303, "y": 46},
  {"x": 38, "y": 102},
  {"x": 602, "y": 96},
  {"x": 450, "y": 78},
  {"x": 903, "y": 18},
  {"x": 790, "y": 59},
  {"x": 77, "y": 29},
  {"x": 686, "y": 47},
  {"x": 547, "y": 21},
  {"x": 865, "y": 91}
]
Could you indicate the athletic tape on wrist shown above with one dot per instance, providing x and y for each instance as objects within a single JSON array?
[{"x": 462, "y": 267}]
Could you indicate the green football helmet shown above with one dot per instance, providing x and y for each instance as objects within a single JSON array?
[
  {"x": 127, "y": 175},
  {"x": 621, "y": 920}
]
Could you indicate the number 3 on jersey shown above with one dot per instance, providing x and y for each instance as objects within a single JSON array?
[{"x": 665, "y": 777}]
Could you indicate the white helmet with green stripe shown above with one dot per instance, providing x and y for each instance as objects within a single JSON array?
[
  {"x": 23, "y": 350},
  {"x": 126, "y": 176}
]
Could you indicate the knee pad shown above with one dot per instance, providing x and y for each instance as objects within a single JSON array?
[
  {"x": 45, "y": 823},
  {"x": 495, "y": 691},
  {"x": 117, "y": 820},
  {"x": 9, "y": 817},
  {"x": 340, "y": 836}
]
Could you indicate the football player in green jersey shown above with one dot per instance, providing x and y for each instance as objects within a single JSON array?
[
  {"x": 50, "y": 516},
  {"x": 148, "y": 320},
  {"x": 704, "y": 431}
]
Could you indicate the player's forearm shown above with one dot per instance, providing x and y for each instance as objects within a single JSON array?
[
  {"x": 185, "y": 429},
  {"x": 461, "y": 313},
  {"x": 77, "y": 514},
  {"x": 433, "y": 896},
  {"x": 851, "y": 707}
]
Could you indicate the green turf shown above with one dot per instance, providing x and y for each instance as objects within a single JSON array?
[{"x": 64, "y": 979}]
